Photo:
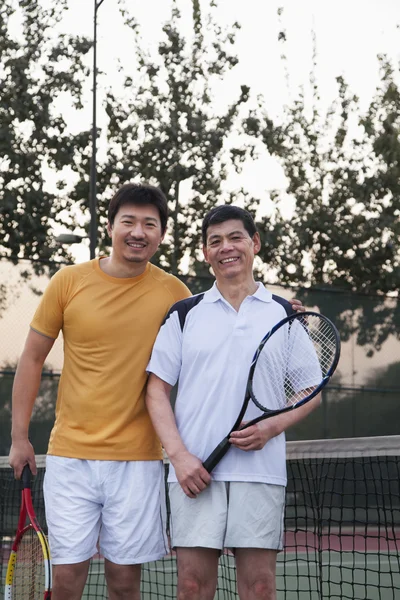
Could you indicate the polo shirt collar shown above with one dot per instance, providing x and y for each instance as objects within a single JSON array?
[
  {"x": 262, "y": 293},
  {"x": 213, "y": 294}
]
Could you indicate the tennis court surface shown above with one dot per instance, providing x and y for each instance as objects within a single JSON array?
[{"x": 342, "y": 526}]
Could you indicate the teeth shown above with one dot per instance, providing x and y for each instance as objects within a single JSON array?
[
  {"x": 226, "y": 260},
  {"x": 136, "y": 245}
]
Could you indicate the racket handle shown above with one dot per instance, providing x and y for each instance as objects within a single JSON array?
[
  {"x": 26, "y": 477},
  {"x": 216, "y": 455}
]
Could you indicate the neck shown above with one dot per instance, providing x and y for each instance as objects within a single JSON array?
[
  {"x": 235, "y": 291},
  {"x": 112, "y": 267}
]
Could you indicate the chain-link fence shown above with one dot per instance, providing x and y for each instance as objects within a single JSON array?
[{"x": 361, "y": 400}]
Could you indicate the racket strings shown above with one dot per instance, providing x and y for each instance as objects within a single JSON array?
[
  {"x": 293, "y": 363},
  {"x": 29, "y": 576},
  {"x": 324, "y": 341}
]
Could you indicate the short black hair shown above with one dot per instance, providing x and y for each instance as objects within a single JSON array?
[
  {"x": 220, "y": 214},
  {"x": 139, "y": 194}
]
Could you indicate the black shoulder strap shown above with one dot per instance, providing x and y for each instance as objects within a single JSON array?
[
  {"x": 183, "y": 307},
  {"x": 285, "y": 303}
]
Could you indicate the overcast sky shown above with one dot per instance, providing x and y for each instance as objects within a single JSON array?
[{"x": 349, "y": 36}]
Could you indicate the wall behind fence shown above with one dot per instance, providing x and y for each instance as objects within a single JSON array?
[{"x": 16, "y": 312}]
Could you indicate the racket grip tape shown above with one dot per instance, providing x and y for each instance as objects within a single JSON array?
[
  {"x": 26, "y": 477},
  {"x": 216, "y": 455}
]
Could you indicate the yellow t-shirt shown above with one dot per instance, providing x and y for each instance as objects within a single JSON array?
[{"x": 109, "y": 326}]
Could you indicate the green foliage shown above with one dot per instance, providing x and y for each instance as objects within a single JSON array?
[
  {"x": 343, "y": 179},
  {"x": 343, "y": 172},
  {"x": 165, "y": 129},
  {"x": 342, "y": 166},
  {"x": 37, "y": 70}
]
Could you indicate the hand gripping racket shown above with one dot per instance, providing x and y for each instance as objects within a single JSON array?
[
  {"x": 29, "y": 567},
  {"x": 292, "y": 364}
]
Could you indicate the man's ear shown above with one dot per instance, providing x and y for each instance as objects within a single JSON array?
[
  {"x": 205, "y": 253},
  {"x": 257, "y": 242},
  {"x": 109, "y": 228}
]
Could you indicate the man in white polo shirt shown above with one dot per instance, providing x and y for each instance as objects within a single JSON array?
[{"x": 208, "y": 341}]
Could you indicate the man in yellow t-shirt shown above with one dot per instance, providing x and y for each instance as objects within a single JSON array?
[{"x": 104, "y": 474}]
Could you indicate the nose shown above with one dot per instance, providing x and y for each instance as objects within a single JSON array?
[
  {"x": 137, "y": 231},
  {"x": 226, "y": 245}
]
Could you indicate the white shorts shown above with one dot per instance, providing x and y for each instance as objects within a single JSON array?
[
  {"x": 228, "y": 515},
  {"x": 115, "y": 507}
]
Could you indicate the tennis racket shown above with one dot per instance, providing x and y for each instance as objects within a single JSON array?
[
  {"x": 29, "y": 567},
  {"x": 292, "y": 364}
]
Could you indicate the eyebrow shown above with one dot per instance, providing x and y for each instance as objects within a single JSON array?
[
  {"x": 218, "y": 235},
  {"x": 133, "y": 217}
]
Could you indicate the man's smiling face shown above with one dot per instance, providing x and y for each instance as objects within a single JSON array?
[
  {"x": 230, "y": 250},
  {"x": 135, "y": 233}
]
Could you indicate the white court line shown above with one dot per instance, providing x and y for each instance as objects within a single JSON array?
[
  {"x": 349, "y": 564},
  {"x": 298, "y": 565}
]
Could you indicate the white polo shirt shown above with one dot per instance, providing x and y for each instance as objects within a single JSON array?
[{"x": 208, "y": 345}]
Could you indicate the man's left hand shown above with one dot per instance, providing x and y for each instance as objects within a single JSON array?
[
  {"x": 297, "y": 305},
  {"x": 256, "y": 436}
]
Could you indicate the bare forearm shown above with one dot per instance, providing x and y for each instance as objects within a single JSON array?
[
  {"x": 163, "y": 419},
  {"x": 289, "y": 419},
  {"x": 256, "y": 436},
  {"x": 189, "y": 470},
  {"x": 25, "y": 389}
]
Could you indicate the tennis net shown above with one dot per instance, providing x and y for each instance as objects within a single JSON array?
[{"x": 342, "y": 526}]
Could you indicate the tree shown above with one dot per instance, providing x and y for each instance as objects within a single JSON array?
[
  {"x": 38, "y": 70},
  {"x": 346, "y": 192},
  {"x": 165, "y": 129},
  {"x": 343, "y": 174}
]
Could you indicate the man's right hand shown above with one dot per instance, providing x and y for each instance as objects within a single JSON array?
[
  {"x": 22, "y": 454},
  {"x": 191, "y": 474}
]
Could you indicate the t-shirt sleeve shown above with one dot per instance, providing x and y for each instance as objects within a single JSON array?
[
  {"x": 180, "y": 291},
  {"x": 49, "y": 316},
  {"x": 166, "y": 357}
]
